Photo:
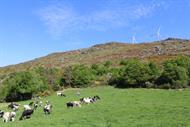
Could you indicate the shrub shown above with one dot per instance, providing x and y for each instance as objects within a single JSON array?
[
  {"x": 173, "y": 74},
  {"x": 50, "y": 76},
  {"x": 99, "y": 69},
  {"x": 21, "y": 86},
  {"x": 77, "y": 76},
  {"x": 136, "y": 73},
  {"x": 108, "y": 63},
  {"x": 123, "y": 62},
  {"x": 183, "y": 61}
]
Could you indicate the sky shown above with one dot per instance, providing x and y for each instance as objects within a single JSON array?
[{"x": 33, "y": 28}]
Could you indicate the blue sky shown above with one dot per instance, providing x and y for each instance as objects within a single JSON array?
[{"x": 34, "y": 28}]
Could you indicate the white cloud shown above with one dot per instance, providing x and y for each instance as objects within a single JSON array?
[{"x": 61, "y": 19}]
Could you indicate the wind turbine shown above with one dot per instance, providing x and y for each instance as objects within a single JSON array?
[
  {"x": 158, "y": 33},
  {"x": 134, "y": 40}
]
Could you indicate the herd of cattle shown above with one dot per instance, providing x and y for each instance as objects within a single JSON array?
[{"x": 47, "y": 108}]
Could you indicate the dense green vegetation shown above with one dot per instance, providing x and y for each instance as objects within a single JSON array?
[
  {"x": 117, "y": 108},
  {"x": 77, "y": 76},
  {"x": 130, "y": 73},
  {"x": 21, "y": 86}
]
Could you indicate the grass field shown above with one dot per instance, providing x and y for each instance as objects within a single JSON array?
[{"x": 117, "y": 108}]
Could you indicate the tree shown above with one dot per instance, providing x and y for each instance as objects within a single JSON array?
[
  {"x": 183, "y": 61},
  {"x": 100, "y": 70},
  {"x": 78, "y": 76},
  {"x": 136, "y": 73},
  {"x": 21, "y": 86},
  {"x": 50, "y": 76},
  {"x": 173, "y": 75}
]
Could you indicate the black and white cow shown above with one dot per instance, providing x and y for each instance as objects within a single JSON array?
[
  {"x": 73, "y": 104},
  {"x": 60, "y": 94},
  {"x": 89, "y": 100},
  {"x": 9, "y": 116},
  {"x": 48, "y": 108},
  {"x": 26, "y": 114},
  {"x": 86, "y": 100},
  {"x": 27, "y": 107},
  {"x": 35, "y": 106},
  {"x": 14, "y": 106}
]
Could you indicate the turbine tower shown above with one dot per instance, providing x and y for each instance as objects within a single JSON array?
[
  {"x": 134, "y": 40},
  {"x": 158, "y": 33}
]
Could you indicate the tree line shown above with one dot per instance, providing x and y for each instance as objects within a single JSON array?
[{"x": 129, "y": 73}]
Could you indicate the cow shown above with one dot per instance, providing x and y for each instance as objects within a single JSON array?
[
  {"x": 69, "y": 104},
  {"x": 9, "y": 116},
  {"x": 60, "y": 94},
  {"x": 35, "y": 106},
  {"x": 73, "y": 104},
  {"x": 26, "y": 114},
  {"x": 48, "y": 108},
  {"x": 27, "y": 107},
  {"x": 14, "y": 106},
  {"x": 87, "y": 100}
]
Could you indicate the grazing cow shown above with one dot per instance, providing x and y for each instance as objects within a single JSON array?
[
  {"x": 35, "y": 106},
  {"x": 86, "y": 100},
  {"x": 89, "y": 100},
  {"x": 48, "y": 109},
  {"x": 26, "y": 114},
  {"x": 73, "y": 104},
  {"x": 9, "y": 116},
  {"x": 13, "y": 106},
  {"x": 60, "y": 94},
  {"x": 77, "y": 103},
  {"x": 27, "y": 107},
  {"x": 1, "y": 113},
  {"x": 69, "y": 104}
]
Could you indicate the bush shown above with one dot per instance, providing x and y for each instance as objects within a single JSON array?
[
  {"x": 77, "y": 76},
  {"x": 107, "y": 63},
  {"x": 114, "y": 77},
  {"x": 174, "y": 75},
  {"x": 21, "y": 86},
  {"x": 50, "y": 76},
  {"x": 99, "y": 69},
  {"x": 183, "y": 61},
  {"x": 136, "y": 73},
  {"x": 123, "y": 62}
]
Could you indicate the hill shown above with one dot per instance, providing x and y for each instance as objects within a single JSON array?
[{"x": 115, "y": 51}]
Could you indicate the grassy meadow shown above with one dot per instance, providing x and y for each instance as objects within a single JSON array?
[{"x": 117, "y": 108}]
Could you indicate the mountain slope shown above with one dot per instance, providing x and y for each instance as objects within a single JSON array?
[{"x": 114, "y": 51}]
